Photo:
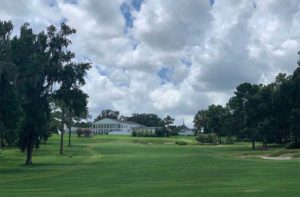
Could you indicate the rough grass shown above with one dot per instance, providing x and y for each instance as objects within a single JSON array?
[
  {"x": 127, "y": 166},
  {"x": 292, "y": 152}
]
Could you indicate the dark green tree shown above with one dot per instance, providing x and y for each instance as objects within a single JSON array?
[
  {"x": 243, "y": 107},
  {"x": 216, "y": 120},
  {"x": 31, "y": 64},
  {"x": 281, "y": 107},
  {"x": 10, "y": 101},
  {"x": 200, "y": 121},
  {"x": 70, "y": 77},
  {"x": 149, "y": 120},
  {"x": 168, "y": 120},
  {"x": 108, "y": 113},
  {"x": 295, "y": 106},
  {"x": 30, "y": 52}
]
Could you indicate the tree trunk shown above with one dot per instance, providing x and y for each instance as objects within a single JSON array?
[
  {"x": 29, "y": 151},
  {"x": 61, "y": 150},
  {"x": 285, "y": 138},
  {"x": 70, "y": 124},
  {"x": 264, "y": 142},
  {"x": 253, "y": 140}
]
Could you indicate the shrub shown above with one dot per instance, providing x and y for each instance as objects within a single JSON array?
[
  {"x": 159, "y": 132},
  {"x": 133, "y": 133},
  {"x": 142, "y": 134},
  {"x": 181, "y": 143},
  {"x": 210, "y": 138},
  {"x": 162, "y": 132},
  {"x": 84, "y": 132},
  {"x": 292, "y": 145}
]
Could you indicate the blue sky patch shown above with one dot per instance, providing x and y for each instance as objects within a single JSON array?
[
  {"x": 164, "y": 74},
  {"x": 137, "y": 4},
  {"x": 186, "y": 62},
  {"x": 125, "y": 9},
  {"x": 71, "y": 1}
]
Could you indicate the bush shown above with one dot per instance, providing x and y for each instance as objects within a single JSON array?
[
  {"x": 159, "y": 132},
  {"x": 133, "y": 133},
  {"x": 292, "y": 145},
  {"x": 84, "y": 132},
  {"x": 181, "y": 143},
  {"x": 142, "y": 134},
  {"x": 162, "y": 132},
  {"x": 210, "y": 138}
]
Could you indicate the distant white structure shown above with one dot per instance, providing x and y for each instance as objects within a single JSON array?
[
  {"x": 114, "y": 127},
  {"x": 186, "y": 132},
  {"x": 149, "y": 130},
  {"x": 73, "y": 129}
]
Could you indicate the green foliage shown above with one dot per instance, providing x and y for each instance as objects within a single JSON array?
[
  {"x": 108, "y": 113},
  {"x": 84, "y": 133},
  {"x": 209, "y": 138},
  {"x": 149, "y": 120},
  {"x": 30, "y": 65},
  {"x": 181, "y": 143},
  {"x": 159, "y": 132},
  {"x": 162, "y": 132},
  {"x": 216, "y": 119},
  {"x": 135, "y": 133},
  {"x": 174, "y": 130},
  {"x": 200, "y": 121},
  {"x": 10, "y": 100},
  {"x": 83, "y": 124},
  {"x": 292, "y": 145},
  {"x": 229, "y": 140},
  {"x": 168, "y": 120}
]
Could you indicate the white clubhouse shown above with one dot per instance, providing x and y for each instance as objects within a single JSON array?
[{"x": 113, "y": 126}]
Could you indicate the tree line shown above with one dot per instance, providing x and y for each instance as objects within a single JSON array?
[
  {"x": 267, "y": 113},
  {"x": 38, "y": 75}
]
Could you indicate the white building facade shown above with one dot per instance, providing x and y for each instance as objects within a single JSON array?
[
  {"x": 114, "y": 127},
  {"x": 186, "y": 132}
]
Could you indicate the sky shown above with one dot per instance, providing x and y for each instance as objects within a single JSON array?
[{"x": 170, "y": 57}]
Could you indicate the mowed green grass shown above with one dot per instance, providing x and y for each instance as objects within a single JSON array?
[{"x": 128, "y": 166}]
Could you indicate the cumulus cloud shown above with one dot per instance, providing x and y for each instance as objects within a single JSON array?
[{"x": 170, "y": 57}]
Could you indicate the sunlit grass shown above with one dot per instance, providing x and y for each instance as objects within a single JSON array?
[{"x": 133, "y": 166}]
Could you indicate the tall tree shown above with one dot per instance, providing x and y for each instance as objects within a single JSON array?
[
  {"x": 108, "y": 113},
  {"x": 295, "y": 105},
  {"x": 10, "y": 101},
  {"x": 70, "y": 77},
  {"x": 216, "y": 120},
  {"x": 264, "y": 112},
  {"x": 77, "y": 109},
  {"x": 243, "y": 106},
  {"x": 30, "y": 52},
  {"x": 168, "y": 120},
  {"x": 38, "y": 61},
  {"x": 200, "y": 121},
  {"x": 149, "y": 120},
  {"x": 281, "y": 107}
]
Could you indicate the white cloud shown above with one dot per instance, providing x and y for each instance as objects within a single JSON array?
[{"x": 178, "y": 57}]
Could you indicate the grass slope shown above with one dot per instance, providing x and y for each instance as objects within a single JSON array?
[{"x": 127, "y": 166}]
